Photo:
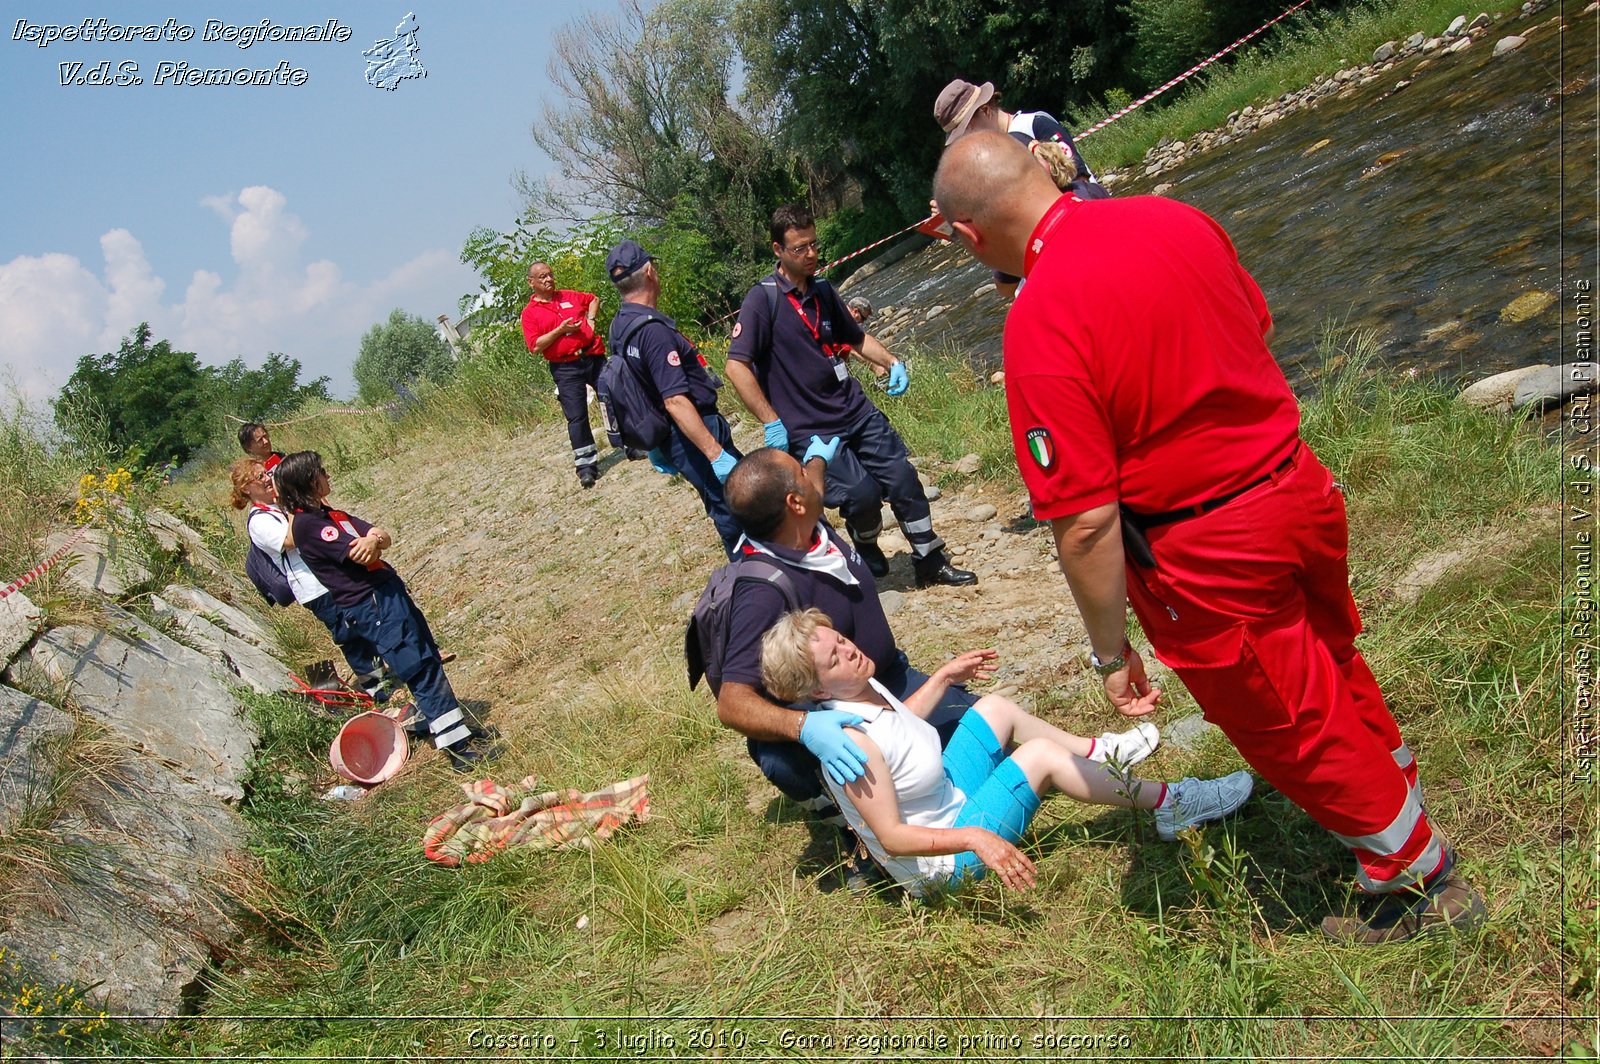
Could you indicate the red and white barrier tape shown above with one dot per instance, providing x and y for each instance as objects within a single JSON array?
[
  {"x": 1141, "y": 101},
  {"x": 1103, "y": 123},
  {"x": 39, "y": 570}
]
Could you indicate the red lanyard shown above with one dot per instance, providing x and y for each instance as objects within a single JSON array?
[
  {"x": 829, "y": 351},
  {"x": 1041, "y": 235},
  {"x": 815, "y": 330}
]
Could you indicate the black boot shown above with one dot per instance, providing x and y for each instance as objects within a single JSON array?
[
  {"x": 936, "y": 569},
  {"x": 872, "y": 554}
]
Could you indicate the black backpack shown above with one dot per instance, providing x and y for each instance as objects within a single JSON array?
[
  {"x": 268, "y": 576},
  {"x": 629, "y": 403},
  {"x": 705, "y": 639}
]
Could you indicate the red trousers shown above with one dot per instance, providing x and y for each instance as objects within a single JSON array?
[{"x": 1250, "y": 605}]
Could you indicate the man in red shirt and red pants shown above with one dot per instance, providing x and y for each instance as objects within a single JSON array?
[
  {"x": 559, "y": 324},
  {"x": 1146, "y": 408}
]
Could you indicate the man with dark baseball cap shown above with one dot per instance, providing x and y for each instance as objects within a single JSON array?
[{"x": 700, "y": 443}]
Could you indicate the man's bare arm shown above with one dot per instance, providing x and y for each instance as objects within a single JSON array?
[{"x": 741, "y": 707}]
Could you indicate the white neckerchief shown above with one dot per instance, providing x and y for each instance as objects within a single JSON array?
[{"x": 825, "y": 557}]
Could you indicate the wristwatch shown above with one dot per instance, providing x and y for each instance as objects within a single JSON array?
[{"x": 1116, "y": 664}]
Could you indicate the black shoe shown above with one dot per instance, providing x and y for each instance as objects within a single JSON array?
[
  {"x": 872, "y": 554},
  {"x": 945, "y": 573},
  {"x": 587, "y": 476},
  {"x": 634, "y": 454},
  {"x": 464, "y": 757}
]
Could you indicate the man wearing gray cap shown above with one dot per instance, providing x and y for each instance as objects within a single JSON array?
[{"x": 699, "y": 444}]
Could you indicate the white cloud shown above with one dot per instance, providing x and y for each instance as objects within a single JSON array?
[{"x": 54, "y": 308}]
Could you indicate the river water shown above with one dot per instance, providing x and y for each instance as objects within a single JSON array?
[{"x": 1421, "y": 214}]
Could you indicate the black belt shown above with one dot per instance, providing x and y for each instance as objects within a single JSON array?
[{"x": 1144, "y": 521}]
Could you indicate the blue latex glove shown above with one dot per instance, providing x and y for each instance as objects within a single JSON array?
[
  {"x": 898, "y": 380},
  {"x": 823, "y": 734},
  {"x": 661, "y": 463},
  {"x": 723, "y": 464},
  {"x": 777, "y": 435},
  {"x": 822, "y": 449}
]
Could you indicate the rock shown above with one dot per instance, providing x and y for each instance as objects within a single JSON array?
[
  {"x": 29, "y": 730},
  {"x": 20, "y": 621},
  {"x": 1554, "y": 384},
  {"x": 1497, "y": 392},
  {"x": 1480, "y": 22},
  {"x": 891, "y": 601},
  {"x": 968, "y": 464},
  {"x": 232, "y": 618},
  {"x": 1415, "y": 40},
  {"x": 933, "y": 492},
  {"x": 161, "y": 696},
  {"x": 684, "y": 602},
  {"x": 1318, "y": 146},
  {"x": 1268, "y": 119},
  {"x": 1162, "y": 189},
  {"x": 983, "y": 290},
  {"x": 1461, "y": 45},
  {"x": 1527, "y": 305},
  {"x": 1455, "y": 26},
  {"x": 936, "y": 311},
  {"x": 140, "y": 913},
  {"x": 1187, "y": 733},
  {"x": 1400, "y": 85},
  {"x": 1384, "y": 52},
  {"x": 242, "y": 659},
  {"x": 99, "y": 562},
  {"x": 982, "y": 512},
  {"x": 174, "y": 535},
  {"x": 1432, "y": 43},
  {"x": 1506, "y": 45},
  {"x": 997, "y": 377}
]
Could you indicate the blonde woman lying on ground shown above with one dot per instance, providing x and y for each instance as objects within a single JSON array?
[{"x": 930, "y": 817}]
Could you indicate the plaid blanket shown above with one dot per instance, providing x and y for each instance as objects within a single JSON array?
[{"x": 495, "y": 819}]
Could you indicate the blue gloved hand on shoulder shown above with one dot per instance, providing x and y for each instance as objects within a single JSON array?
[
  {"x": 823, "y": 734},
  {"x": 899, "y": 380},
  {"x": 820, "y": 448},
  {"x": 777, "y": 434},
  {"x": 723, "y": 464},
  {"x": 661, "y": 463}
]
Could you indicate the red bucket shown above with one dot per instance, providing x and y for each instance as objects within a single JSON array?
[{"x": 369, "y": 749}]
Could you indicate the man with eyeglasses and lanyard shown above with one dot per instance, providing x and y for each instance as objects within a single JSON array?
[{"x": 787, "y": 362}]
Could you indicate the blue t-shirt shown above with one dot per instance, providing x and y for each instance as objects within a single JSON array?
[
  {"x": 671, "y": 362},
  {"x": 323, "y": 538},
  {"x": 796, "y": 356},
  {"x": 854, "y": 610}
]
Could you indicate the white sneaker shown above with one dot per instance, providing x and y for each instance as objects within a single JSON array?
[
  {"x": 1129, "y": 747},
  {"x": 1191, "y": 801}
]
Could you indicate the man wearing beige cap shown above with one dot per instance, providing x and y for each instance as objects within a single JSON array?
[{"x": 963, "y": 107}]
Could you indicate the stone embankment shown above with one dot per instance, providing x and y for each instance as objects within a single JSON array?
[
  {"x": 123, "y": 756},
  {"x": 1460, "y": 35}
]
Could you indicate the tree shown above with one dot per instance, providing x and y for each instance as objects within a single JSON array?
[
  {"x": 153, "y": 403},
  {"x": 400, "y": 351},
  {"x": 266, "y": 393},
  {"x": 649, "y": 134}
]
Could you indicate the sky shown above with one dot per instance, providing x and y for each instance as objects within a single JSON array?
[{"x": 241, "y": 220}]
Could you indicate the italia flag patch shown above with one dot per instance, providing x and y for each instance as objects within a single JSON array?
[{"x": 1043, "y": 448}]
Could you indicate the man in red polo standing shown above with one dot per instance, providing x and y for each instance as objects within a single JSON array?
[
  {"x": 559, "y": 324},
  {"x": 1147, "y": 410}
]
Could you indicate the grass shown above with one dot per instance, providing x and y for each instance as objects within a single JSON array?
[
  {"x": 1288, "y": 57},
  {"x": 713, "y": 908}
]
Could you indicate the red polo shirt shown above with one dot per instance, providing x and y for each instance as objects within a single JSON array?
[
  {"x": 1135, "y": 364},
  {"x": 540, "y": 316}
]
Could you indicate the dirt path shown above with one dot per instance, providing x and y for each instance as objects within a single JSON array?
[{"x": 537, "y": 584}]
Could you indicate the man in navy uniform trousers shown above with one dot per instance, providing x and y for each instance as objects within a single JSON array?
[{"x": 787, "y": 362}]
